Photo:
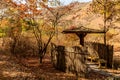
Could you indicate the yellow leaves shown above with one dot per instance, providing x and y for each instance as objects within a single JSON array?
[
  {"x": 11, "y": 9},
  {"x": 117, "y": 7},
  {"x": 45, "y": 0},
  {"x": 97, "y": 7},
  {"x": 112, "y": 31},
  {"x": 3, "y": 23},
  {"x": 110, "y": 8},
  {"x": 110, "y": 34}
]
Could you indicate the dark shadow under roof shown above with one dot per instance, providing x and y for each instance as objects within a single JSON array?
[{"x": 83, "y": 30}]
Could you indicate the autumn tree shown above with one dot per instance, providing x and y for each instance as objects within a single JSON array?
[
  {"x": 30, "y": 17},
  {"x": 35, "y": 9},
  {"x": 9, "y": 14},
  {"x": 109, "y": 11},
  {"x": 3, "y": 6},
  {"x": 31, "y": 12},
  {"x": 55, "y": 15},
  {"x": 12, "y": 15},
  {"x": 17, "y": 11},
  {"x": 14, "y": 31}
]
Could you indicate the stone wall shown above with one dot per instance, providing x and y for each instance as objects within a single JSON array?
[{"x": 69, "y": 59}]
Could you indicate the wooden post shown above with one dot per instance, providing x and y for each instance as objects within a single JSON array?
[{"x": 81, "y": 36}]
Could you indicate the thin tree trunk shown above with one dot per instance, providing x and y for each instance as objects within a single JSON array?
[
  {"x": 41, "y": 59},
  {"x": 105, "y": 2},
  {"x": 13, "y": 47},
  {"x": 105, "y": 21}
]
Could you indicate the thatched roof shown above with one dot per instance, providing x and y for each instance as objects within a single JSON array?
[{"x": 83, "y": 30}]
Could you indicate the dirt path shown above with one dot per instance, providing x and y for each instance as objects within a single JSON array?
[{"x": 10, "y": 69}]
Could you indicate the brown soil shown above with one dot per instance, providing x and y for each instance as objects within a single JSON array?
[{"x": 28, "y": 68}]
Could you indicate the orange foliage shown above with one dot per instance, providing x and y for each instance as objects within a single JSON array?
[
  {"x": 3, "y": 23},
  {"x": 7, "y": 1},
  {"x": 22, "y": 8},
  {"x": 32, "y": 1}
]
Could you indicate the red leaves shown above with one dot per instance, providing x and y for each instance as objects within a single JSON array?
[
  {"x": 29, "y": 9},
  {"x": 72, "y": 27}
]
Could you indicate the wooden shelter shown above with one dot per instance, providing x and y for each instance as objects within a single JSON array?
[
  {"x": 105, "y": 52},
  {"x": 81, "y": 32}
]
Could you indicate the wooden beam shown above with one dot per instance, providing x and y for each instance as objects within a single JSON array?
[{"x": 81, "y": 37}]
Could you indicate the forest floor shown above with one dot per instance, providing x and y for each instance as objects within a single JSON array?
[{"x": 16, "y": 68}]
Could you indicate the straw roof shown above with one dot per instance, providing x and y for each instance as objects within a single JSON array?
[{"x": 82, "y": 29}]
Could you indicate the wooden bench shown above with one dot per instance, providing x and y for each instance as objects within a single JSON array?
[{"x": 92, "y": 58}]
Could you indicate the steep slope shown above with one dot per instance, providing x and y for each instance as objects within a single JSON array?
[
  {"x": 83, "y": 16},
  {"x": 77, "y": 14}
]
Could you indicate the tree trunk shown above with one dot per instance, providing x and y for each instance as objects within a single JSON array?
[
  {"x": 41, "y": 59},
  {"x": 40, "y": 55},
  {"x": 105, "y": 21},
  {"x": 13, "y": 47}
]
